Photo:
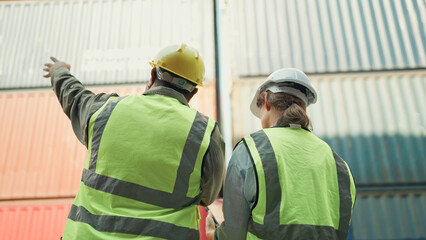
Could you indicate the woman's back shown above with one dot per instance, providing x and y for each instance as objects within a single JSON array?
[{"x": 307, "y": 198}]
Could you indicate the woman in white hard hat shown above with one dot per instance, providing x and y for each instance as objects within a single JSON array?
[{"x": 283, "y": 182}]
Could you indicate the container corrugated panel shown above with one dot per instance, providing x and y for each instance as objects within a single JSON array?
[
  {"x": 41, "y": 222},
  {"x": 376, "y": 122},
  {"x": 327, "y": 35},
  {"x": 40, "y": 157},
  {"x": 39, "y": 154},
  {"x": 389, "y": 216},
  {"x": 33, "y": 221},
  {"x": 105, "y": 41}
]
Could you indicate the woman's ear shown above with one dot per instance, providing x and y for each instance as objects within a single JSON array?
[{"x": 267, "y": 103}]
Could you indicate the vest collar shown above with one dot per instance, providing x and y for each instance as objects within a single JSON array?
[
  {"x": 161, "y": 90},
  {"x": 287, "y": 126}
]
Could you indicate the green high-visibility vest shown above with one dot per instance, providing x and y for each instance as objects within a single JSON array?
[
  {"x": 305, "y": 190},
  {"x": 142, "y": 176}
]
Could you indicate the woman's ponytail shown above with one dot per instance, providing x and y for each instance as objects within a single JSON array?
[
  {"x": 293, "y": 109},
  {"x": 295, "y": 114}
]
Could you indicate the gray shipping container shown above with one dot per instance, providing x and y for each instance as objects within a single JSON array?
[
  {"x": 320, "y": 36},
  {"x": 105, "y": 41},
  {"x": 376, "y": 122},
  {"x": 384, "y": 216}
]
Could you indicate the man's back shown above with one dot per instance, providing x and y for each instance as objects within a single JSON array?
[
  {"x": 143, "y": 169},
  {"x": 147, "y": 134}
]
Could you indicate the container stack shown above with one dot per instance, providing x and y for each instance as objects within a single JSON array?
[
  {"x": 108, "y": 45},
  {"x": 367, "y": 62}
]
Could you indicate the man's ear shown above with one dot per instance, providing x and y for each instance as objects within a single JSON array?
[
  {"x": 267, "y": 103},
  {"x": 151, "y": 80},
  {"x": 192, "y": 94}
]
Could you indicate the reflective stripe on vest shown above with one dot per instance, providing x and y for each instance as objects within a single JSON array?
[
  {"x": 129, "y": 225},
  {"x": 271, "y": 226}
]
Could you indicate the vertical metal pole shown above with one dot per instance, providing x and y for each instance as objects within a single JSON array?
[
  {"x": 216, "y": 60},
  {"x": 223, "y": 79}
]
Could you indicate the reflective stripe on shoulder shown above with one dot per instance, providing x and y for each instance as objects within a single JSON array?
[
  {"x": 153, "y": 196},
  {"x": 189, "y": 155},
  {"x": 99, "y": 128},
  {"x": 272, "y": 181},
  {"x": 129, "y": 225}
]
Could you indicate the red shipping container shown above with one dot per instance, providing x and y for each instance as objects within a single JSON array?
[
  {"x": 47, "y": 221},
  {"x": 40, "y": 157},
  {"x": 33, "y": 221}
]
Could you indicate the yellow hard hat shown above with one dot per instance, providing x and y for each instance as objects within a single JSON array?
[{"x": 182, "y": 60}]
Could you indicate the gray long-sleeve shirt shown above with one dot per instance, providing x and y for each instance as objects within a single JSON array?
[
  {"x": 239, "y": 195},
  {"x": 79, "y": 104}
]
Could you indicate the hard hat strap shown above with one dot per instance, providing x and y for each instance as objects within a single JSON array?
[
  {"x": 289, "y": 90},
  {"x": 175, "y": 80}
]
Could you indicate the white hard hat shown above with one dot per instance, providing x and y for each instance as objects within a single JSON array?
[{"x": 288, "y": 80}]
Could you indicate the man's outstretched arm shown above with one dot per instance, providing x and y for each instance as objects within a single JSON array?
[{"x": 78, "y": 103}]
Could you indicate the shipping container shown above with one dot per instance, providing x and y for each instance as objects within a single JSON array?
[
  {"x": 375, "y": 121},
  {"x": 37, "y": 222},
  {"x": 105, "y": 41},
  {"x": 45, "y": 221},
  {"x": 40, "y": 157},
  {"x": 385, "y": 216},
  {"x": 326, "y": 36}
]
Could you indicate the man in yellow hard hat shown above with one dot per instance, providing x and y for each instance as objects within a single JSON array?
[{"x": 151, "y": 158}]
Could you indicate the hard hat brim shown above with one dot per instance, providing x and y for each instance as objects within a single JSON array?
[
  {"x": 292, "y": 91},
  {"x": 253, "y": 106}
]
